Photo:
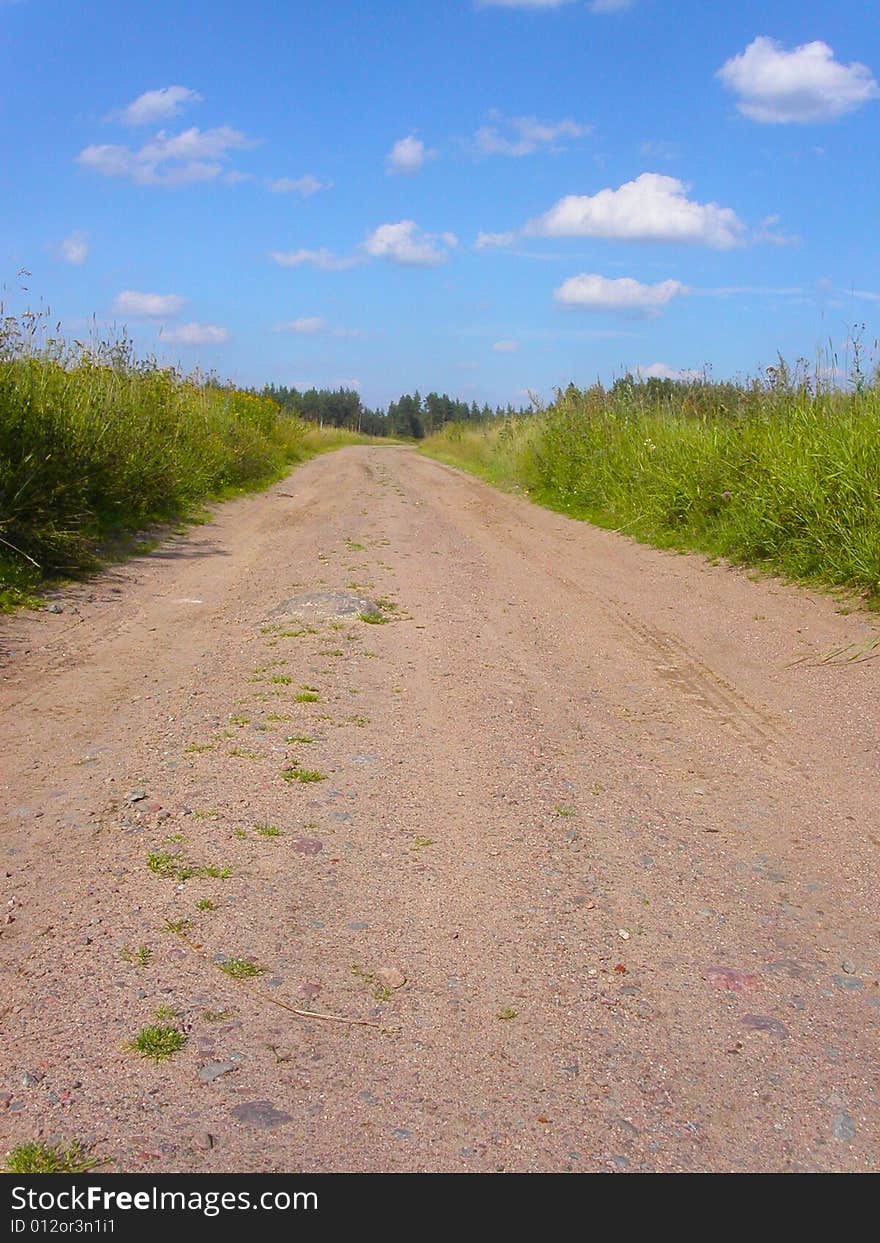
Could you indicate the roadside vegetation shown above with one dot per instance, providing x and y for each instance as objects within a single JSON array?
[
  {"x": 781, "y": 472},
  {"x": 96, "y": 444}
]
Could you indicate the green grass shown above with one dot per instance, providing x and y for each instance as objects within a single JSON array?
[
  {"x": 242, "y": 968},
  {"x": 159, "y": 1042},
  {"x": 779, "y": 473},
  {"x": 307, "y": 696},
  {"x": 97, "y": 445},
  {"x": 40, "y": 1158},
  {"x": 267, "y": 830},
  {"x": 305, "y": 775}
]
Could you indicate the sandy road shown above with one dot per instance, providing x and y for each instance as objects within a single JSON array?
[{"x": 623, "y": 852}]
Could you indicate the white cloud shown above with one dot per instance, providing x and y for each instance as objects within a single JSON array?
[
  {"x": 167, "y": 159},
  {"x": 506, "y": 347},
  {"x": 408, "y": 156},
  {"x": 610, "y": 6},
  {"x": 807, "y": 84},
  {"x": 323, "y": 259},
  {"x": 306, "y": 325},
  {"x": 653, "y": 208},
  {"x": 195, "y": 334},
  {"x": 405, "y": 243},
  {"x": 519, "y": 136},
  {"x": 74, "y": 248},
  {"x": 486, "y": 241},
  {"x": 158, "y": 105},
  {"x": 521, "y": 4},
  {"x": 599, "y": 293},
  {"x": 304, "y": 186},
  {"x": 662, "y": 371},
  {"x": 147, "y": 305}
]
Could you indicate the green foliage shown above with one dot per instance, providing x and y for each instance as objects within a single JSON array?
[
  {"x": 781, "y": 472},
  {"x": 242, "y": 968},
  {"x": 159, "y": 1042},
  {"x": 96, "y": 443},
  {"x": 40, "y": 1158}
]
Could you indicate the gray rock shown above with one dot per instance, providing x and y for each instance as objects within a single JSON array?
[
  {"x": 260, "y": 1114},
  {"x": 325, "y": 606},
  {"x": 844, "y": 1127},
  {"x": 216, "y": 1070}
]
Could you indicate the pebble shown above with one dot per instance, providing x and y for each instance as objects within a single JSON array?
[
  {"x": 732, "y": 979},
  {"x": 136, "y": 796},
  {"x": 844, "y": 1127},
  {"x": 261, "y": 1114},
  {"x": 764, "y": 1023},
  {"x": 308, "y": 846},
  {"x": 203, "y": 1141},
  {"x": 54, "y": 608},
  {"x": 847, "y": 981},
  {"x": 391, "y": 977},
  {"x": 215, "y": 1070}
]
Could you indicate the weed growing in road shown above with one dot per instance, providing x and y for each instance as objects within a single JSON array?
[
  {"x": 422, "y": 843},
  {"x": 299, "y": 738},
  {"x": 216, "y": 1016},
  {"x": 167, "y": 865},
  {"x": 239, "y": 719},
  {"x": 267, "y": 830},
  {"x": 140, "y": 957},
  {"x": 160, "y": 1041},
  {"x": 506, "y": 1014},
  {"x": 178, "y": 926},
  {"x": 40, "y": 1158},
  {"x": 374, "y": 618},
  {"x": 238, "y": 754},
  {"x": 242, "y": 968},
  {"x": 216, "y": 873},
  {"x": 281, "y": 679},
  {"x": 305, "y": 775},
  {"x": 205, "y": 904},
  {"x": 196, "y": 748},
  {"x": 308, "y": 695}
]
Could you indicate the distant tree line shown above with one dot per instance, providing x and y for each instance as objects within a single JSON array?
[{"x": 411, "y": 415}]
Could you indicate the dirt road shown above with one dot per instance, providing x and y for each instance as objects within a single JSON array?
[{"x": 621, "y": 849}]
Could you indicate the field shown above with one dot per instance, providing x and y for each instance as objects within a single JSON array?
[
  {"x": 97, "y": 445},
  {"x": 774, "y": 473}
]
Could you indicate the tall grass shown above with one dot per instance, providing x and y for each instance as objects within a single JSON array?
[
  {"x": 773, "y": 473},
  {"x": 95, "y": 443}
]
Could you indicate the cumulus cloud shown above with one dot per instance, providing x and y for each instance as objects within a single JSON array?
[
  {"x": 304, "y": 186},
  {"x": 195, "y": 334},
  {"x": 155, "y": 106},
  {"x": 599, "y": 293},
  {"x": 167, "y": 159},
  {"x": 506, "y": 347},
  {"x": 323, "y": 259},
  {"x": 519, "y": 136},
  {"x": 74, "y": 249},
  {"x": 653, "y": 208},
  {"x": 306, "y": 325},
  {"x": 405, "y": 243},
  {"x": 408, "y": 156},
  {"x": 147, "y": 305},
  {"x": 662, "y": 371},
  {"x": 777, "y": 87},
  {"x": 488, "y": 241}
]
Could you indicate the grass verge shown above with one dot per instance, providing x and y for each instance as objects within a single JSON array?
[{"x": 779, "y": 473}]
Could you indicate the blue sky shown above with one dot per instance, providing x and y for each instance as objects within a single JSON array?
[{"x": 483, "y": 198}]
